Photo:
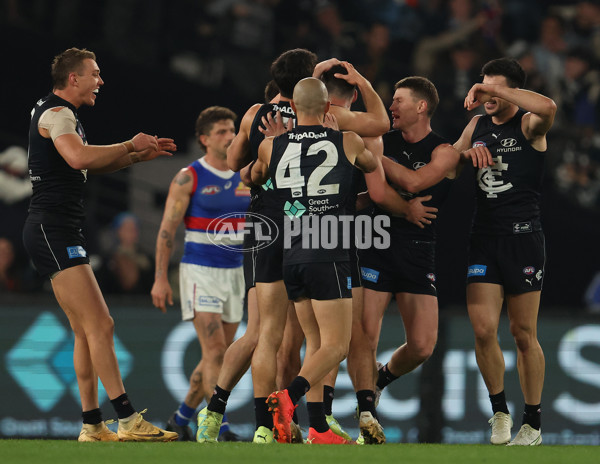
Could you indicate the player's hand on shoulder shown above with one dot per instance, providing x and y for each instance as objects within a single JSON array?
[
  {"x": 274, "y": 126},
  {"x": 331, "y": 121}
]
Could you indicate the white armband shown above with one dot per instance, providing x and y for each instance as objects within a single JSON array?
[{"x": 58, "y": 121}]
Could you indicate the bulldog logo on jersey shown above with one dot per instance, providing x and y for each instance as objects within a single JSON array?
[{"x": 242, "y": 191}]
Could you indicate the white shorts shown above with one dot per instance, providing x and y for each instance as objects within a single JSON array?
[{"x": 207, "y": 289}]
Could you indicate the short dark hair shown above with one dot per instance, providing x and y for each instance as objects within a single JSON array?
[
  {"x": 208, "y": 117},
  {"x": 271, "y": 91},
  {"x": 290, "y": 67},
  {"x": 507, "y": 67},
  {"x": 335, "y": 85},
  {"x": 67, "y": 62},
  {"x": 423, "y": 89}
]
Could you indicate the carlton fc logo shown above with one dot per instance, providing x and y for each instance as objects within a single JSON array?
[{"x": 507, "y": 143}]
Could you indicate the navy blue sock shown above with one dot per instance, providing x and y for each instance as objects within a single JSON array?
[
  {"x": 328, "y": 395},
  {"x": 184, "y": 414},
  {"x": 366, "y": 401},
  {"x": 499, "y": 403},
  {"x": 385, "y": 377},
  {"x": 92, "y": 417},
  {"x": 532, "y": 415},
  {"x": 122, "y": 406},
  {"x": 261, "y": 412},
  {"x": 316, "y": 417},
  {"x": 298, "y": 389},
  {"x": 218, "y": 401}
]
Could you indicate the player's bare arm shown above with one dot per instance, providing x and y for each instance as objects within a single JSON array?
[
  {"x": 381, "y": 193},
  {"x": 444, "y": 161},
  {"x": 110, "y": 158},
  {"x": 238, "y": 153},
  {"x": 176, "y": 205},
  {"x": 480, "y": 157},
  {"x": 358, "y": 154},
  {"x": 541, "y": 109},
  {"x": 260, "y": 169},
  {"x": 372, "y": 123}
]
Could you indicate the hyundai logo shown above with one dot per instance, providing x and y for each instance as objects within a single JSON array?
[{"x": 506, "y": 143}]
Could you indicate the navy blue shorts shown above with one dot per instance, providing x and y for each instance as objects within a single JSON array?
[
  {"x": 408, "y": 266},
  {"x": 514, "y": 261},
  {"x": 318, "y": 281},
  {"x": 54, "y": 248},
  {"x": 263, "y": 262}
]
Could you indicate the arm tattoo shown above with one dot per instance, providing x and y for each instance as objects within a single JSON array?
[
  {"x": 182, "y": 179},
  {"x": 165, "y": 235}
]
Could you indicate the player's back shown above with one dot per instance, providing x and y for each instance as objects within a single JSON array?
[
  {"x": 312, "y": 179},
  {"x": 263, "y": 198}
]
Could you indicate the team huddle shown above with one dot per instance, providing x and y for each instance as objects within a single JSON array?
[{"x": 350, "y": 207}]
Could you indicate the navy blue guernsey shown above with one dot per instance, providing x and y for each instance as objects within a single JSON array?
[
  {"x": 313, "y": 179},
  {"x": 414, "y": 156},
  {"x": 508, "y": 193},
  {"x": 57, "y": 188},
  {"x": 263, "y": 198}
]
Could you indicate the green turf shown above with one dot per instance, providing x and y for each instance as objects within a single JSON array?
[{"x": 67, "y": 452}]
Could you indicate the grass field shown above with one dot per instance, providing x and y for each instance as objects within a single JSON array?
[{"x": 72, "y": 452}]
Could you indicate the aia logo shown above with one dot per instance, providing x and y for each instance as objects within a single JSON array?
[
  {"x": 210, "y": 190},
  {"x": 529, "y": 270}
]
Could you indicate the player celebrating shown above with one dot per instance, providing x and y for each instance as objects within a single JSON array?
[
  {"x": 59, "y": 162},
  {"x": 506, "y": 251}
]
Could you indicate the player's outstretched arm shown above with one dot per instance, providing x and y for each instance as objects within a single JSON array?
[
  {"x": 111, "y": 158},
  {"x": 444, "y": 160},
  {"x": 175, "y": 207}
]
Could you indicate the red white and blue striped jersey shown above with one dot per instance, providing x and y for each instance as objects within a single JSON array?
[{"x": 208, "y": 240}]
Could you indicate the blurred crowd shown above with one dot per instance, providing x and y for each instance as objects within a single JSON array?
[{"x": 226, "y": 46}]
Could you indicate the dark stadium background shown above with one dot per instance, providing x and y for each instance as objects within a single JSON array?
[{"x": 163, "y": 62}]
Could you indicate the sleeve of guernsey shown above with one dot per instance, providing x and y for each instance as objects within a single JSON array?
[{"x": 58, "y": 121}]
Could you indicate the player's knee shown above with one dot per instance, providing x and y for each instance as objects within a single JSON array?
[
  {"x": 216, "y": 353},
  {"x": 422, "y": 351},
  {"x": 524, "y": 337},
  {"x": 106, "y": 326},
  {"x": 484, "y": 334}
]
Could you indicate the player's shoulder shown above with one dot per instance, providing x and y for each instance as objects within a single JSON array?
[{"x": 352, "y": 137}]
